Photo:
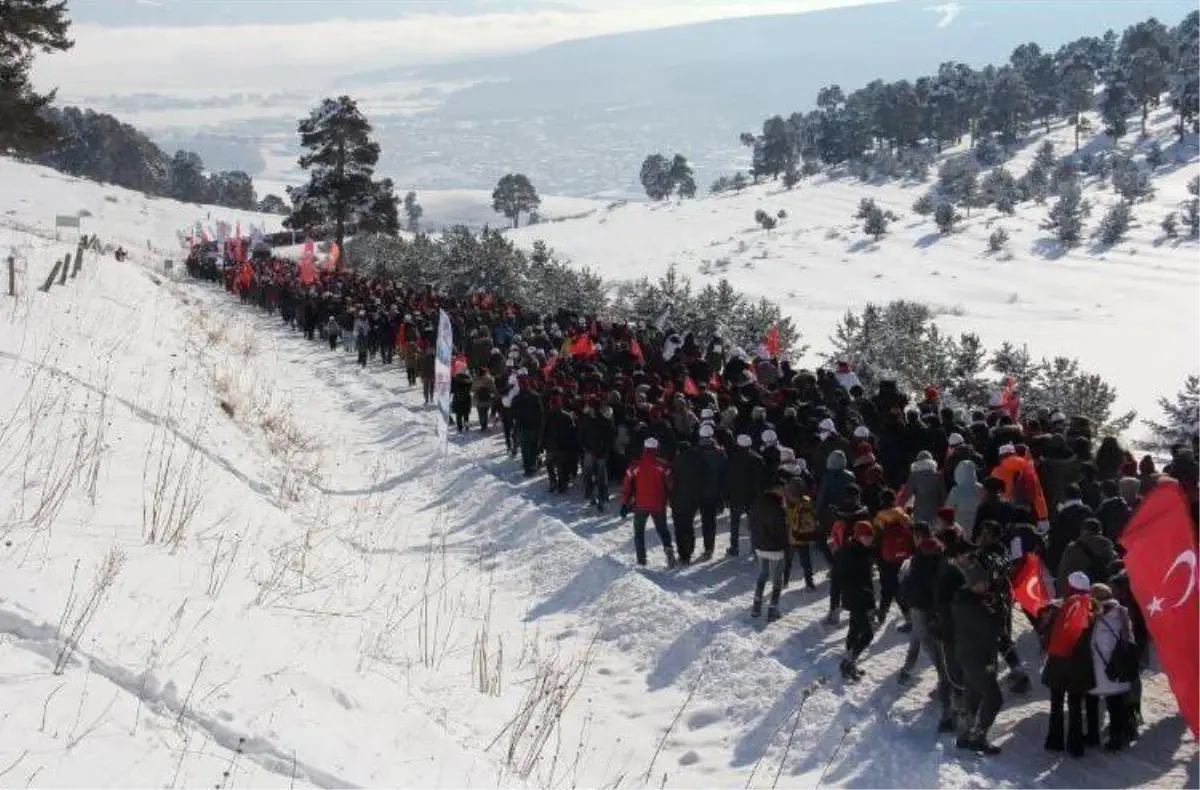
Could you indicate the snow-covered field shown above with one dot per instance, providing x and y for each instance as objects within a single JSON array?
[
  {"x": 233, "y": 559},
  {"x": 1128, "y": 312}
]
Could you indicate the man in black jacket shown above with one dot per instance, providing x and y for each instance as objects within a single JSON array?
[
  {"x": 597, "y": 435},
  {"x": 527, "y": 415},
  {"x": 919, "y": 588},
  {"x": 769, "y": 534},
  {"x": 689, "y": 472},
  {"x": 978, "y": 627},
  {"x": 746, "y": 480},
  {"x": 855, "y": 563}
]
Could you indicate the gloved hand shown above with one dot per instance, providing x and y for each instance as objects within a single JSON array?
[
  {"x": 624, "y": 512},
  {"x": 1043, "y": 527}
]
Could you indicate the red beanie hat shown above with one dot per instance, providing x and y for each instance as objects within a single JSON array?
[
  {"x": 946, "y": 514},
  {"x": 931, "y": 393},
  {"x": 863, "y": 529}
]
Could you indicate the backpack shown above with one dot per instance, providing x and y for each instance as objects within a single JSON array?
[{"x": 803, "y": 527}]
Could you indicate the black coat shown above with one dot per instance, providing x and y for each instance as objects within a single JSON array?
[
  {"x": 747, "y": 474},
  {"x": 920, "y": 585},
  {"x": 527, "y": 410},
  {"x": 597, "y": 435},
  {"x": 1065, "y": 527},
  {"x": 854, "y": 564},
  {"x": 1114, "y": 514},
  {"x": 978, "y": 627},
  {"x": 768, "y": 522},
  {"x": 689, "y": 473}
]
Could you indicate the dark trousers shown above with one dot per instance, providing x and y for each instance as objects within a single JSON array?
[
  {"x": 1120, "y": 720},
  {"x": 981, "y": 698},
  {"x": 595, "y": 477},
  {"x": 528, "y": 439},
  {"x": 804, "y": 553},
  {"x": 462, "y": 419},
  {"x": 639, "y": 532},
  {"x": 684, "y": 519},
  {"x": 427, "y": 390},
  {"x": 484, "y": 412},
  {"x": 333, "y": 342},
  {"x": 835, "y": 587},
  {"x": 561, "y": 466},
  {"x": 708, "y": 523},
  {"x": 735, "y": 521},
  {"x": 510, "y": 430},
  {"x": 410, "y": 371},
  {"x": 1074, "y": 740},
  {"x": 889, "y": 585},
  {"x": 860, "y": 633}
]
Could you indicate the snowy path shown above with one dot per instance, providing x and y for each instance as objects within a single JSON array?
[{"x": 676, "y": 631}]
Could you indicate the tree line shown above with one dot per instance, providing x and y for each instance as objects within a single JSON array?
[{"x": 991, "y": 106}]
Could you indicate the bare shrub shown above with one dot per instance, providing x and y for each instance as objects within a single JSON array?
[
  {"x": 78, "y": 612},
  {"x": 173, "y": 478}
]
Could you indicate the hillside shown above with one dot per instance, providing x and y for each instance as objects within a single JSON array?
[
  {"x": 1128, "y": 312},
  {"x": 232, "y": 560}
]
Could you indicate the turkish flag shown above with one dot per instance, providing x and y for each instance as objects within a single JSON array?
[
  {"x": 1029, "y": 589},
  {"x": 689, "y": 387},
  {"x": 583, "y": 347},
  {"x": 1161, "y": 562},
  {"x": 635, "y": 348},
  {"x": 773, "y": 340},
  {"x": 1070, "y": 625}
]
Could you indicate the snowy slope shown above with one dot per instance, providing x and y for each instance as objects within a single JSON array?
[
  {"x": 299, "y": 593},
  {"x": 1129, "y": 312}
]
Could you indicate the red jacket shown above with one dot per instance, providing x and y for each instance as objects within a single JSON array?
[
  {"x": 895, "y": 535},
  {"x": 647, "y": 484}
]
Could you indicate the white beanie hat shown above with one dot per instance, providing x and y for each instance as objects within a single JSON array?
[
  {"x": 955, "y": 439},
  {"x": 744, "y": 441},
  {"x": 706, "y": 414},
  {"x": 862, "y": 432},
  {"x": 769, "y": 437},
  {"x": 650, "y": 444},
  {"x": 1079, "y": 581},
  {"x": 786, "y": 455},
  {"x": 827, "y": 426},
  {"x": 706, "y": 431},
  {"x": 1007, "y": 449}
]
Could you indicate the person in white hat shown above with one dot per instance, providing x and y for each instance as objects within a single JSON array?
[
  {"x": 747, "y": 471},
  {"x": 716, "y": 465},
  {"x": 645, "y": 491}
]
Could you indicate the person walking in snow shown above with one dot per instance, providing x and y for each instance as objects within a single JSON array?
[
  {"x": 460, "y": 398},
  {"x": 855, "y": 562},
  {"x": 851, "y": 513},
  {"x": 646, "y": 491},
  {"x": 895, "y": 547},
  {"x": 597, "y": 436},
  {"x": 978, "y": 625},
  {"x": 747, "y": 473},
  {"x": 332, "y": 332},
  {"x": 483, "y": 389},
  {"x": 924, "y": 487},
  {"x": 769, "y": 526}
]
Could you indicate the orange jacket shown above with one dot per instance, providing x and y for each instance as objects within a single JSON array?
[{"x": 1014, "y": 470}]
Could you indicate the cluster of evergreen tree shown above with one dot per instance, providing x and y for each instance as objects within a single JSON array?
[
  {"x": 98, "y": 146},
  {"x": 992, "y": 107},
  {"x": 460, "y": 262},
  {"x": 662, "y": 177},
  {"x": 27, "y": 27},
  {"x": 902, "y": 341},
  {"x": 718, "y": 309}
]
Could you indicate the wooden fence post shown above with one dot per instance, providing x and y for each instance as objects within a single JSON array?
[
  {"x": 78, "y": 260},
  {"x": 66, "y": 269},
  {"x": 12, "y": 275},
  {"x": 53, "y": 276}
]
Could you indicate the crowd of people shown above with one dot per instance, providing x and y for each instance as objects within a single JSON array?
[{"x": 905, "y": 500}]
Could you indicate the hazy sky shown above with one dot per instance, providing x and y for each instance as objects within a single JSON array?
[{"x": 174, "y": 46}]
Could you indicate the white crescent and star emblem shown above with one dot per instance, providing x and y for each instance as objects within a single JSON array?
[
  {"x": 1029, "y": 588},
  {"x": 1186, "y": 557}
]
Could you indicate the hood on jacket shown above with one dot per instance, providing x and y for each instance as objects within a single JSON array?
[
  {"x": 965, "y": 474},
  {"x": 836, "y": 461},
  {"x": 925, "y": 465}
]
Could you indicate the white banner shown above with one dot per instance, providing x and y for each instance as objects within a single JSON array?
[{"x": 441, "y": 377}]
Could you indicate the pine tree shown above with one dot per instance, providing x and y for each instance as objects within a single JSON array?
[
  {"x": 1155, "y": 157},
  {"x": 1067, "y": 215},
  {"x": 272, "y": 204},
  {"x": 413, "y": 211},
  {"x": 1182, "y": 418},
  {"x": 1184, "y": 77},
  {"x": 924, "y": 205},
  {"x": 997, "y": 240},
  {"x": 945, "y": 217},
  {"x": 1170, "y": 225},
  {"x": 188, "y": 183},
  {"x": 26, "y": 27},
  {"x": 1000, "y": 189},
  {"x": 1191, "y": 216},
  {"x": 875, "y": 220},
  {"x": 1115, "y": 223},
  {"x": 1116, "y": 103},
  {"x": 513, "y": 196},
  {"x": 680, "y": 177},
  {"x": 655, "y": 176},
  {"x": 340, "y": 158}
]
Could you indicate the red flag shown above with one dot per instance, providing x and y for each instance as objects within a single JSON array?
[
  {"x": 308, "y": 272},
  {"x": 773, "y": 340},
  {"x": 1029, "y": 588},
  {"x": 635, "y": 348},
  {"x": 1071, "y": 623},
  {"x": 400, "y": 336},
  {"x": 1161, "y": 563},
  {"x": 335, "y": 255},
  {"x": 583, "y": 347},
  {"x": 690, "y": 388},
  {"x": 1010, "y": 401},
  {"x": 459, "y": 365},
  {"x": 714, "y": 383}
]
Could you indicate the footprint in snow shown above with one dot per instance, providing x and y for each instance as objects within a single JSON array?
[
  {"x": 703, "y": 718},
  {"x": 689, "y": 758}
]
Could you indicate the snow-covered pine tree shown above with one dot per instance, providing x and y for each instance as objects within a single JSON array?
[
  {"x": 1181, "y": 418},
  {"x": 924, "y": 205},
  {"x": 655, "y": 176},
  {"x": 1000, "y": 189},
  {"x": 413, "y": 211},
  {"x": 1170, "y": 225},
  {"x": 1066, "y": 216},
  {"x": 681, "y": 177},
  {"x": 945, "y": 216},
  {"x": 997, "y": 240},
  {"x": 1115, "y": 223}
]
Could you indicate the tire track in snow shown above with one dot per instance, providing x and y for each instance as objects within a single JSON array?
[{"x": 43, "y": 640}]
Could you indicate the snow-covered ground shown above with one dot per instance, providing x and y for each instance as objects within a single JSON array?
[
  {"x": 1128, "y": 312},
  {"x": 234, "y": 559}
]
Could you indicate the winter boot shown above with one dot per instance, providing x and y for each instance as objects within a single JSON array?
[
  {"x": 904, "y": 678},
  {"x": 756, "y": 608},
  {"x": 772, "y": 614},
  {"x": 1018, "y": 681},
  {"x": 848, "y": 671},
  {"x": 732, "y": 551},
  {"x": 905, "y": 627},
  {"x": 706, "y": 556},
  {"x": 946, "y": 723},
  {"x": 833, "y": 616},
  {"x": 671, "y": 559}
]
